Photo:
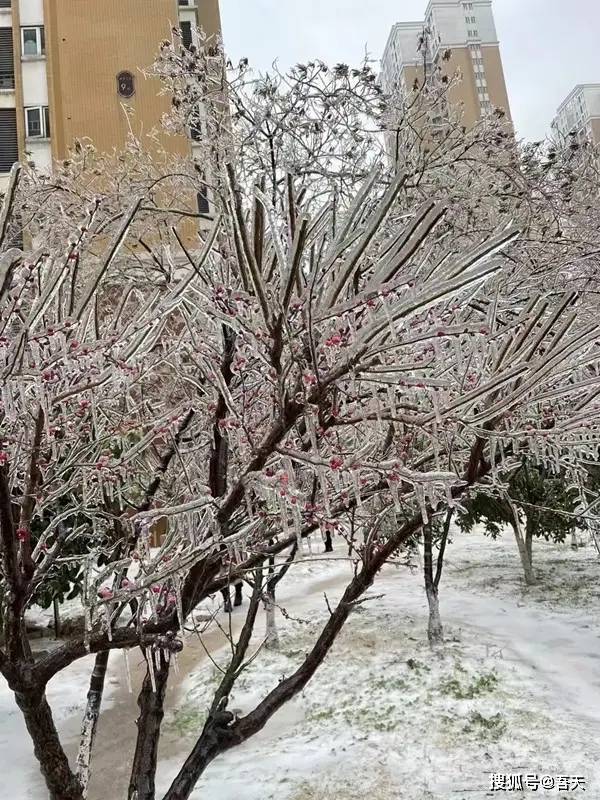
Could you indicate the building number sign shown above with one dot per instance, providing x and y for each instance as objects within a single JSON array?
[{"x": 125, "y": 84}]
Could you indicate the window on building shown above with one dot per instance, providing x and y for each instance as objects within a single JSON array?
[
  {"x": 186, "y": 34},
  {"x": 7, "y": 66},
  {"x": 9, "y": 149},
  {"x": 4, "y": 3},
  {"x": 37, "y": 122},
  {"x": 33, "y": 41},
  {"x": 202, "y": 199}
]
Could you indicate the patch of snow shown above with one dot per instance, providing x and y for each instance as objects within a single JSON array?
[{"x": 516, "y": 689}]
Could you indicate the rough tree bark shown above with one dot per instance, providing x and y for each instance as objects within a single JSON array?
[{"x": 61, "y": 782}]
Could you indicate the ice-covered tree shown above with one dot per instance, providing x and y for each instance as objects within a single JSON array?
[{"x": 338, "y": 352}]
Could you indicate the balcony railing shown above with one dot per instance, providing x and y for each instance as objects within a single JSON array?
[{"x": 5, "y": 3}]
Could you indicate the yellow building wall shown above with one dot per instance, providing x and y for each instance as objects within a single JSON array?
[
  {"x": 89, "y": 42},
  {"x": 464, "y": 92},
  {"x": 496, "y": 82},
  {"x": 209, "y": 17}
]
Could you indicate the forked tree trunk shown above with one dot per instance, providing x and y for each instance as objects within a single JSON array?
[
  {"x": 151, "y": 703},
  {"x": 90, "y": 720},
  {"x": 435, "y": 629},
  {"x": 61, "y": 782},
  {"x": 524, "y": 545}
]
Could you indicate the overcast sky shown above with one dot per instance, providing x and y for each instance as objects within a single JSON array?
[{"x": 547, "y": 46}]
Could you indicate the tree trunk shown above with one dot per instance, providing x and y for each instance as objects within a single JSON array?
[
  {"x": 56, "y": 610},
  {"x": 151, "y": 703},
  {"x": 213, "y": 741},
  {"x": 61, "y": 782},
  {"x": 90, "y": 720},
  {"x": 272, "y": 637},
  {"x": 595, "y": 538},
  {"x": 524, "y": 547},
  {"x": 352, "y": 531},
  {"x": 529, "y": 531},
  {"x": 435, "y": 630}
]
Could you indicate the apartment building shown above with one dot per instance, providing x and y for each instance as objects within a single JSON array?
[
  {"x": 68, "y": 68},
  {"x": 579, "y": 114},
  {"x": 463, "y": 32}
]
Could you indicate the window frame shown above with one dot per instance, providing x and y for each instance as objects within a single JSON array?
[
  {"x": 44, "y": 122},
  {"x": 40, "y": 41}
]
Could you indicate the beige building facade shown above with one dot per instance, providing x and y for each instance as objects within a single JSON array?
[
  {"x": 468, "y": 31},
  {"x": 579, "y": 115},
  {"x": 72, "y": 69}
]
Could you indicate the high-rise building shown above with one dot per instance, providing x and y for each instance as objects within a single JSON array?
[
  {"x": 579, "y": 114},
  {"x": 68, "y": 68},
  {"x": 465, "y": 33}
]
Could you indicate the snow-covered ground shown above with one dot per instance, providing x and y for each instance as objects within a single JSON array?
[{"x": 515, "y": 690}]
